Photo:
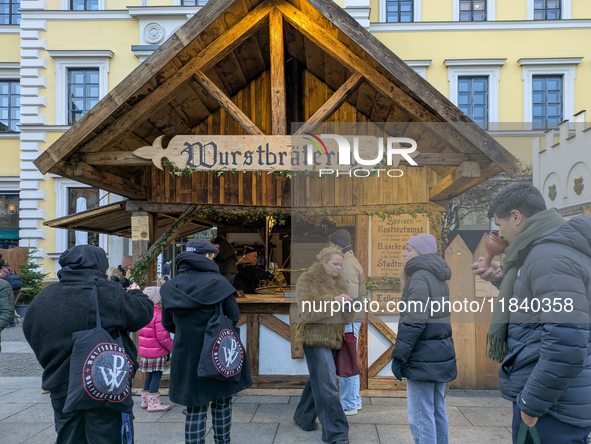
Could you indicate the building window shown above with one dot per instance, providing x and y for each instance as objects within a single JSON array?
[
  {"x": 10, "y": 102},
  {"x": 83, "y": 92},
  {"x": 546, "y": 101},
  {"x": 473, "y": 97},
  {"x": 84, "y": 5},
  {"x": 399, "y": 11},
  {"x": 82, "y": 199},
  {"x": 472, "y": 10},
  {"x": 193, "y": 2},
  {"x": 546, "y": 9},
  {"x": 10, "y": 12}
]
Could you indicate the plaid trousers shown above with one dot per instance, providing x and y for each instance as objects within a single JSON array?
[{"x": 221, "y": 415}]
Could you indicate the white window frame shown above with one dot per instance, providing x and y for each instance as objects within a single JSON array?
[
  {"x": 419, "y": 66},
  {"x": 65, "y": 5},
  {"x": 490, "y": 68},
  {"x": 490, "y": 11},
  {"x": 565, "y": 10},
  {"x": 416, "y": 11},
  {"x": 564, "y": 67},
  {"x": 61, "y": 210},
  {"x": 65, "y": 60}
]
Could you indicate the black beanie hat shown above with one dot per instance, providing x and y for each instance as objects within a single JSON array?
[{"x": 342, "y": 238}]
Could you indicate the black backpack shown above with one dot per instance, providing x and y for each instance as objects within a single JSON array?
[{"x": 13, "y": 278}]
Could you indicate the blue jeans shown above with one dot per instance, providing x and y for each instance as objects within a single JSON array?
[
  {"x": 426, "y": 412},
  {"x": 349, "y": 387},
  {"x": 320, "y": 398}
]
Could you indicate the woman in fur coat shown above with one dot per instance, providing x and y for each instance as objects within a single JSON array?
[{"x": 321, "y": 333}]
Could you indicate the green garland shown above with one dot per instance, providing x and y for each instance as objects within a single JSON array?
[
  {"x": 384, "y": 282},
  {"x": 175, "y": 171}
]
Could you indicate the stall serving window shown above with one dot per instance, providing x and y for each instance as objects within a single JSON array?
[
  {"x": 82, "y": 199},
  {"x": 9, "y": 226}
]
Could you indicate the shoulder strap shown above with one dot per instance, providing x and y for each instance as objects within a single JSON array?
[{"x": 94, "y": 297}]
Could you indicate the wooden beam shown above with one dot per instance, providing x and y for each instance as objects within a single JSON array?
[
  {"x": 463, "y": 178},
  {"x": 117, "y": 158},
  {"x": 383, "y": 328},
  {"x": 381, "y": 362},
  {"x": 105, "y": 181},
  {"x": 208, "y": 57},
  {"x": 447, "y": 159},
  {"x": 464, "y": 136},
  {"x": 129, "y": 87},
  {"x": 278, "y": 108},
  {"x": 332, "y": 104},
  {"x": 253, "y": 338},
  {"x": 276, "y": 325},
  {"x": 226, "y": 103}
]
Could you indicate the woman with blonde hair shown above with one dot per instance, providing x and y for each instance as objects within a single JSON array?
[{"x": 321, "y": 333}]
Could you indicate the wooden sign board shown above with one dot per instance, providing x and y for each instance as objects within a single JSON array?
[
  {"x": 389, "y": 238},
  {"x": 140, "y": 228},
  {"x": 388, "y": 301},
  {"x": 485, "y": 289},
  {"x": 264, "y": 153}
]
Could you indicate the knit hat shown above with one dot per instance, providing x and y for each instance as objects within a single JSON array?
[
  {"x": 153, "y": 293},
  {"x": 423, "y": 243},
  {"x": 127, "y": 261},
  {"x": 200, "y": 246},
  {"x": 342, "y": 238},
  {"x": 248, "y": 249}
]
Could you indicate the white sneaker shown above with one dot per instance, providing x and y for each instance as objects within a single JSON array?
[
  {"x": 359, "y": 407},
  {"x": 350, "y": 412}
]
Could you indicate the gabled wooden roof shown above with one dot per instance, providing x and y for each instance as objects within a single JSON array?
[{"x": 230, "y": 44}]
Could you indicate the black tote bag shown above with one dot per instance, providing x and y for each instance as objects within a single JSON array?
[
  {"x": 222, "y": 356},
  {"x": 100, "y": 370}
]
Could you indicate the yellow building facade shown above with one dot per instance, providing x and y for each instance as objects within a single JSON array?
[{"x": 504, "y": 62}]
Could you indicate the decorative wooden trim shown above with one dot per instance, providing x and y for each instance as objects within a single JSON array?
[
  {"x": 276, "y": 325},
  {"x": 118, "y": 158},
  {"x": 278, "y": 108},
  {"x": 332, "y": 104},
  {"x": 253, "y": 337},
  {"x": 227, "y": 104},
  {"x": 461, "y": 179},
  {"x": 382, "y": 328}
]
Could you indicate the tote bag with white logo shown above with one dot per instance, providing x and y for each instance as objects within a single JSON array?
[{"x": 100, "y": 370}]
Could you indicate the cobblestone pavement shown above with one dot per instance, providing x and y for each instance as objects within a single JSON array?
[{"x": 17, "y": 358}]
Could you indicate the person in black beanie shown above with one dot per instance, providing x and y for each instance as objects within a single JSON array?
[
  {"x": 226, "y": 258},
  {"x": 249, "y": 274},
  {"x": 188, "y": 303},
  {"x": 62, "y": 309}
]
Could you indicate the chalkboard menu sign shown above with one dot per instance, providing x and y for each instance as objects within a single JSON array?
[{"x": 389, "y": 238}]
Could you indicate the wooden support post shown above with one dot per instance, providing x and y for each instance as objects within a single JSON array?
[
  {"x": 227, "y": 104},
  {"x": 253, "y": 333},
  {"x": 362, "y": 254},
  {"x": 278, "y": 109}
]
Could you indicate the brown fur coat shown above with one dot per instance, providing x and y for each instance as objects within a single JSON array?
[{"x": 321, "y": 329}]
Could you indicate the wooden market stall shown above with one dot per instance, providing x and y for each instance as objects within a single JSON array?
[{"x": 237, "y": 76}]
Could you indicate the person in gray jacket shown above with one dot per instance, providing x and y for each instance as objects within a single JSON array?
[
  {"x": 353, "y": 272},
  {"x": 540, "y": 326},
  {"x": 6, "y": 304}
]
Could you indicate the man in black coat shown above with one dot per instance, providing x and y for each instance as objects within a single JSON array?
[
  {"x": 249, "y": 274},
  {"x": 62, "y": 309},
  {"x": 540, "y": 326},
  {"x": 189, "y": 301}
]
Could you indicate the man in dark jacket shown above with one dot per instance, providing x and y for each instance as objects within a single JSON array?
[
  {"x": 540, "y": 325},
  {"x": 6, "y": 304},
  {"x": 62, "y": 309},
  {"x": 249, "y": 274},
  {"x": 226, "y": 258},
  {"x": 189, "y": 301},
  {"x": 167, "y": 270}
]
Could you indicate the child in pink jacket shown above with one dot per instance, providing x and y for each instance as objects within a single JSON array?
[{"x": 155, "y": 345}]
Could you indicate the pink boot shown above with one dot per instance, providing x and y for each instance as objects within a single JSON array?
[
  {"x": 144, "y": 399},
  {"x": 154, "y": 404}
]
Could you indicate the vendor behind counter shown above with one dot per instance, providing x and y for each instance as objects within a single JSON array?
[{"x": 249, "y": 274}]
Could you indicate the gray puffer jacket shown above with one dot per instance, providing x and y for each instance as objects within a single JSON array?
[{"x": 547, "y": 368}]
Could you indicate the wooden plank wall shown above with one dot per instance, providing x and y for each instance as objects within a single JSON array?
[
  {"x": 254, "y": 189},
  {"x": 475, "y": 369}
]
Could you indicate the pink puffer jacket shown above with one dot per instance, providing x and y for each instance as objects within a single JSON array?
[{"x": 153, "y": 340}]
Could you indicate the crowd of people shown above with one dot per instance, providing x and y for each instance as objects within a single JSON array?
[{"x": 544, "y": 355}]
